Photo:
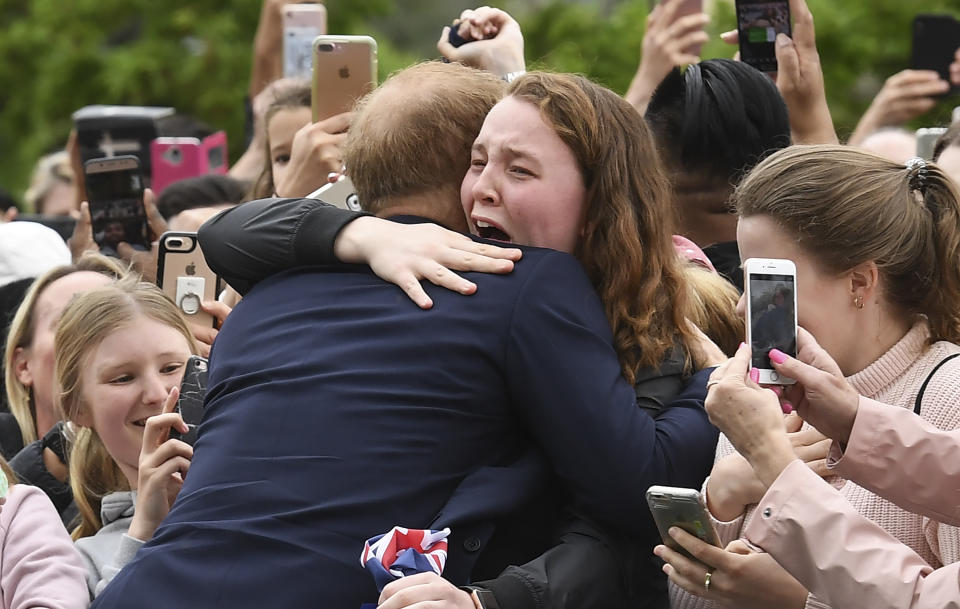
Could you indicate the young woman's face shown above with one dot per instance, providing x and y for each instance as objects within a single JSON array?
[
  {"x": 34, "y": 365},
  {"x": 524, "y": 185},
  {"x": 823, "y": 301},
  {"x": 280, "y": 131},
  {"x": 125, "y": 380}
]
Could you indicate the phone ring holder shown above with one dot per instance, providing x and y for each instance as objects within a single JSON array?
[{"x": 190, "y": 303}]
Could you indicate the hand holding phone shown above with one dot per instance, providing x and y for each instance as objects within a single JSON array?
[
  {"x": 193, "y": 391},
  {"x": 115, "y": 197},
  {"x": 758, "y": 23},
  {"x": 680, "y": 507},
  {"x": 770, "y": 289},
  {"x": 489, "y": 39}
]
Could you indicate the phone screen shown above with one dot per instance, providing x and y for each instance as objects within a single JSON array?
[
  {"x": 759, "y": 23},
  {"x": 116, "y": 209},
  {"x": 772, "y": 317}
]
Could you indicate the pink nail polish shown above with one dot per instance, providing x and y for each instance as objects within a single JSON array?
[
  {"x": 777, "y": 356},
  {"x": 741, "y": 346},
  {"x": 755, "y": 375},
  {"x": 786, "y": 407}
]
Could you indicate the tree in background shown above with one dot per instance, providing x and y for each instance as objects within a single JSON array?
[{"x": 60, "y": 55}]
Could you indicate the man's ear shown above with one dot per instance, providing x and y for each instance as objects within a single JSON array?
[{"x": 21, "y": 367}]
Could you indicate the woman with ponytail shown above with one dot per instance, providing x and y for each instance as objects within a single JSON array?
[
  {"x": 120, "y": 354},
  {"x": 877, "y": 250}
]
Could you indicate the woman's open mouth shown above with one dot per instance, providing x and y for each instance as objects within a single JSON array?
[{"x": 486, "y": 230}]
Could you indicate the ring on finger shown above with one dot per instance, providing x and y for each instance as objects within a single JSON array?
[{"x": 706, "y": 581}]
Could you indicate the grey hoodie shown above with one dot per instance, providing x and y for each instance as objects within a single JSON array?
[{"x": 110, "y": 549}]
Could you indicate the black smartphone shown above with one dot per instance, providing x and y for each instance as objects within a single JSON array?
[
  {"x": 759, "y": 22},
  {"x": 936, "y": 39},
  {"x": 193, "y": 390},
  {"x": 115, "y": 196}
]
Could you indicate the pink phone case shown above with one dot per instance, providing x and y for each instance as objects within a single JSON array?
[{"x": 177, "y": 158}]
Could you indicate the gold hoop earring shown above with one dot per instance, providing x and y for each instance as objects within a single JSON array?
[{"x": 858, "y": 302}]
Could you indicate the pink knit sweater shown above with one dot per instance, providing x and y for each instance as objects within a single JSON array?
[{"x": 893, "y": 379}]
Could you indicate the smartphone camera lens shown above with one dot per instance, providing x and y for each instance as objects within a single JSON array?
[
  {"x": 175, "y": 242},
  {"x": 326, "y": 47}
]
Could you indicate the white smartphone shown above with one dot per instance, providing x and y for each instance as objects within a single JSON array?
[
  {"x": 680, "y": 507},
  {"x": 341, "y": 193},
  {"x": 771, "y": 292},
  {"x": 302, "y": 23},
  {"x": 927, "y": 140}
]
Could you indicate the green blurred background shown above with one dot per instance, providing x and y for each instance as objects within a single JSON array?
[{"x": 60, "y": 55}]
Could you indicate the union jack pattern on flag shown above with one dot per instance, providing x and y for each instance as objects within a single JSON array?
[{"x": 401, "y": 552}]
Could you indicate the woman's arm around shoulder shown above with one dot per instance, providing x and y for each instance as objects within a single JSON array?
[{"x": 41, "y": 566}]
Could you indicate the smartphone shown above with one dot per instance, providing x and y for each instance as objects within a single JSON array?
[
  {"x": 115, "y": 196},
  {"x": 927, "y": 141},
  {"x": 344, "y": 70},
  {"x": 687, "y": 7},
  {"x": 771, "y": 292},
  {"x": 759, "y": 22},
  {"x": 340, "y": 193},
  {"x": 184, "y": 275},
  {"x": 680, "y": 507},
  {"x": 302, "y": 23},
  {"x": 178, "y": 158},
  {"x": 193, "y": 390},
  {"x": 936, "y": 39}
]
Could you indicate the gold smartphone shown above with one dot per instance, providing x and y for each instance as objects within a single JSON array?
[{"x": 344, "y": 70}]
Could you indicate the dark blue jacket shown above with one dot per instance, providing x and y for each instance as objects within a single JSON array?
[{"x": 338, "y": 409}]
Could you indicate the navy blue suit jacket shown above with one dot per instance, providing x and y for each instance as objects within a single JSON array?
[{"x": 338, "y": 409}]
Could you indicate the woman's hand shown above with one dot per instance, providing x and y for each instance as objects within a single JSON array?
[
  {"x": 496, "y": 41},
  {"x": 904, "y": 96},
  {"x": 403, "y": 254},
  {"x": 163, "y": 465},
  {"x": 821, "y": 395},
  {"x": 732, "y": 487},
  {"x": 315, "y": 153},
  {"x": 800, "y": 78},
  {"x": 667, "y": 43},
  {"x": 739, "y": 577},
  {"x": 423, "y": 590}
]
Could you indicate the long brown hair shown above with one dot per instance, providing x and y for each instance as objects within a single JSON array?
[
  {"x": 85, "y": 323},
  {"x": 846, "y": 207},
  {"x": 626, "y": 245}
]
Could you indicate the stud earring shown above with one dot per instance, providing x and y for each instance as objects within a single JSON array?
[{"x": 858, "y": 302}]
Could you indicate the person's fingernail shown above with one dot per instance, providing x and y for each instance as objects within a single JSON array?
[
  {"x": 777, "y": 390},
  {"x": 786, "y": 407},
  {"x": 658, "y": 550},
  {"x": 755, "y": 375},
  {"x": 777, "y": 356},
  {"x": 742, "y": 345},
  {"x": 783, "y": 40}
]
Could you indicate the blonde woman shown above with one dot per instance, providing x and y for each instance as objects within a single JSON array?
[
  {"x": 121, "y": 350},
  {"x": 28, "y": 355}
]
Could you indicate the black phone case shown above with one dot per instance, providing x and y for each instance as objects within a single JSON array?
[
  {"x": 193, "y": 391},
  {"x": 936, "y": 39}
]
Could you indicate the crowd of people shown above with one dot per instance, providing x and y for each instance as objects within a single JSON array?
[{"x": 536, "y": 316}]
